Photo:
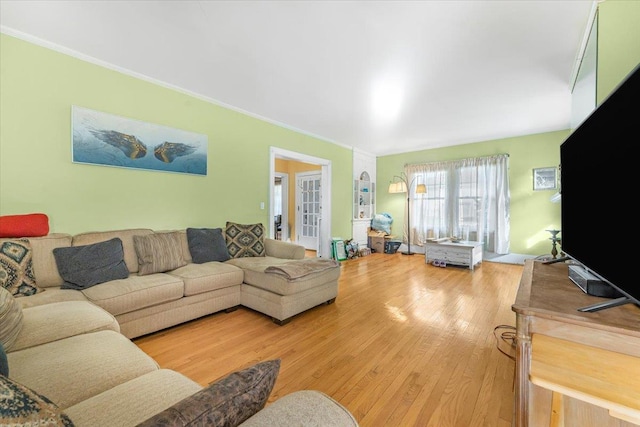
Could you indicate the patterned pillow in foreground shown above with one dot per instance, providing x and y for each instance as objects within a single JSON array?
[
  {"x": 16, "y": 268},
  {"x": 21, "y": 406},
  {"x": 244, "y": 240},
  {"x": 225, "y": 403}
]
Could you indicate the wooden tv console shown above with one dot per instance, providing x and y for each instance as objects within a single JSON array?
[{"x": 573, "y": 369}]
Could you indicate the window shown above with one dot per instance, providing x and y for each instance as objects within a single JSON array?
[{"x": 465, "y": 198}]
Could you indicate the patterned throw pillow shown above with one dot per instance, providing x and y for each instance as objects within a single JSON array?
[
  {"x": 21, "y": 406},
  {"x": 158, "y": 252},
  {"x": 10, "y": 319},
  {"x": 225, "y": 403},
  {"x": 16, "y": 269},
  {"x": 245, "y": 240}
]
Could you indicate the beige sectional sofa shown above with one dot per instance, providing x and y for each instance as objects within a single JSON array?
[
  {"x": 73, "y": 346},
  {"x": 74, "y": 355},
  {"x": 148, "y": 303}
]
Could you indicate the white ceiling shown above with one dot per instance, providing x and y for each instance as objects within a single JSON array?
[{"x": 384, "y": 77}]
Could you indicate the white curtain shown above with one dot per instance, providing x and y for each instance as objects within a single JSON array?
[{"x": 466, "y": 198}]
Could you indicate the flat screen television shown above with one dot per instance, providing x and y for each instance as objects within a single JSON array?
[{"x": 598, "y": 176}]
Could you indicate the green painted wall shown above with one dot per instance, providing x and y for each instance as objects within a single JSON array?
[
  {"x": 618, "y": 43},
  {"x": 531, "y": 211},
  {"x": 39, "y": 86}
]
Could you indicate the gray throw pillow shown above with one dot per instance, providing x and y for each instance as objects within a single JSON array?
[
  {"x": 207, "y": 244},
  {"x": 84, "y": 266},
  {"x": 225, "y": 403}
]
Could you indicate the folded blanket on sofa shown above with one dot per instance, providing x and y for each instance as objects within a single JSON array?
[{"x": 302, "y": 267}]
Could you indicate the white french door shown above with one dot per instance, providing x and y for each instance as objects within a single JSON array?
[{"x": 308, "y": 209}]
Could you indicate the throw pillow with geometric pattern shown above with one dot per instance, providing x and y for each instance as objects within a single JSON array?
[
  {"x": 244, "y": 240},
  {"x": 16, "y": 268},
  {"x": 21, "y": 406}
]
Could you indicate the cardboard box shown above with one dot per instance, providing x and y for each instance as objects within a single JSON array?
[
  {"x": 376, "y": 243},
  {"x": 376, "y": 239},
  {"x": 375, "y": 233}
]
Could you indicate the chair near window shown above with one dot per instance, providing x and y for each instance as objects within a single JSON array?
[{"x": 277, "y": 222}]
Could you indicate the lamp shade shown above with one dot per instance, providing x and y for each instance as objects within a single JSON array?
[
  {"x": 397, "y": 187},
  {"x": 421, "y": 189}
]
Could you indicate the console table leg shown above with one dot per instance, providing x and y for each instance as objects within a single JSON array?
[{"x": 557, "y": 411}]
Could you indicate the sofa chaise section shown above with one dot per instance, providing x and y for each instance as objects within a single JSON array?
[{"x": 280, "y": 297}]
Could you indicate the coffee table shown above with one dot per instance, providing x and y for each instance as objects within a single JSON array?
[{"x": 465, "y": 252}]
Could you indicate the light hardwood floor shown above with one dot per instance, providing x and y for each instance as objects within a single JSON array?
[{"x": 404, "y": 344}]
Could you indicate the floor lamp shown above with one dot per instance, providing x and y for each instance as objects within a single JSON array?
[{"x": 401, "y": 184}]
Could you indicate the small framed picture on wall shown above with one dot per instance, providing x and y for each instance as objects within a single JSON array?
[{"x": 545, "y": 178}]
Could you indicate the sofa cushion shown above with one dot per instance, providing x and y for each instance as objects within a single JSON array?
[
  {"x": 303, "y": 408},
  {"x": 11, "y": 319},
  {"x": 44, "y": 263},
  {"x": 158, "y": 252},
  {"x": 199, "y": 278},
  {"x": 207, "y": 244},
  {"x": 16, "y": 268},
  {"x": 227, "y": 402},
  {"x": 280, "y": 249},
  {"x": 21, "y": 406},
  {"x": 59, "y": 320},
  {"x": 52, "y": 295},
  {"x": 135, "y": 292},
  {"x": 84, "y": 266},
  {"x": 71, "y": 370},
  {"x": 123, "y": 406},
  {"x": 244, "y": 240},
  {"x": 27, "y": 225}
]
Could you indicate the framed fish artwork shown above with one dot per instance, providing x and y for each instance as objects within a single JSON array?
[{"x": 105, "y": 139}]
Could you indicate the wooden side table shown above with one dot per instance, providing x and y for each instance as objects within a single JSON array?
[
  {"x": 573, "y": 369},
  {"x": 466, "y": 253}
]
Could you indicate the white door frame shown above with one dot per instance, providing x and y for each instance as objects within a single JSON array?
[
  {"x": 284, "y": 234},
  {"x": 324, "y": 235}
]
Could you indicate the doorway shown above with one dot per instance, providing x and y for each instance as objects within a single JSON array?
[
  {"x": 308, "y": 209},
  {"x": 281, "y": 206},
  {"x": 324, "y": 219}
]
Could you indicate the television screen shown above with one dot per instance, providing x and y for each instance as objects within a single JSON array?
[{"x": 598, "y": 177}]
